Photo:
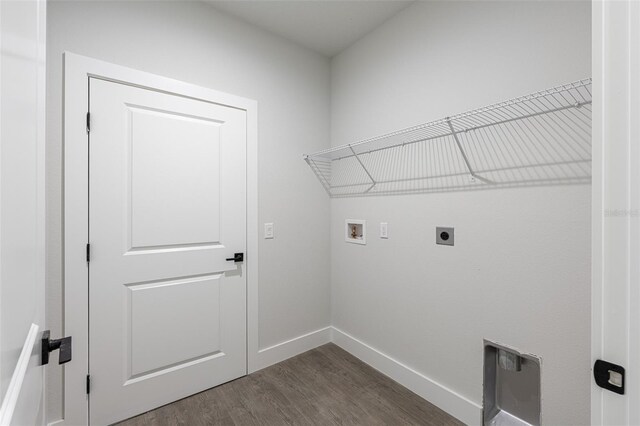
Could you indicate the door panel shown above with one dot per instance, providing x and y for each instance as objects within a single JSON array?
[
  {"x": 167, "y": 207},
  {"x": 184, "y": 312},
  {"x": 163, "y": 145}
]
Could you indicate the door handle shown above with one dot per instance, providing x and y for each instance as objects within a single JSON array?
[
  {"x": 237, "y": 257},
  {"x": 609, "y": 376},
  {"x": 50, "y": 345}
]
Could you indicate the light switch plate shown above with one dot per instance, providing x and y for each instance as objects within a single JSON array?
[
  {"x": 268, "y": 231},
  {"x": 384, "y": 230},
  {"x": 444, "y": 236}
]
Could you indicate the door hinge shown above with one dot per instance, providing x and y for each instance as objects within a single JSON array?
[
  {"x": 88, "y": 122},
  {"x": 88, "y": 384},
  {"x": 88, "y": 252}
]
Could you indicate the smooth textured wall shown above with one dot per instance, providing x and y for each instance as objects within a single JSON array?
[
  {"x": 519, "y": 272},
  {"x": 193, "y": 42}
]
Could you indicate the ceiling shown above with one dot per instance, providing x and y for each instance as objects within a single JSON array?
[{"x": 325, "y": 26}]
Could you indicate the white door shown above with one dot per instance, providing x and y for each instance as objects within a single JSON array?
[
  {"x": 22, "y": 291},
  {"x": 167, "y": 208}
]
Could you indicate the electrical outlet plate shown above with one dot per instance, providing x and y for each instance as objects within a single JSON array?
[{"x": 444, "y": 235}]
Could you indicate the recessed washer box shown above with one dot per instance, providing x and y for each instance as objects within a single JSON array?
[
  {"x": 444, "y": 235},
  {"x": 355, "y": 231}
]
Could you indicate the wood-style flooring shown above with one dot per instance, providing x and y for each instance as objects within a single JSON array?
[{"x": 325, "y": 386}]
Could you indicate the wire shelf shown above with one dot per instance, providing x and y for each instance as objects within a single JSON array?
[{"x": 543, "y": 138}]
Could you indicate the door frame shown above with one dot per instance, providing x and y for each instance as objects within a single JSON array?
[
  {"x": 77, "y": 71},
  {"x": 615, "y": 281}
]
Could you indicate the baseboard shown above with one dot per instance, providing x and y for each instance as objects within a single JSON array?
[
  {"x": 457, "y": 405},
  {"x": 285, "y": 350}
]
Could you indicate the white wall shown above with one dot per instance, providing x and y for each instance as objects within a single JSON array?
[
  {"x": 520, "y": 270},
  {"x": 193, "y": 42}
]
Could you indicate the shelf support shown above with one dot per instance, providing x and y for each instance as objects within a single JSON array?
[
  {"x": 316, "y": 170},
  {"x": 373, "y": 181},
  {"x": 473, "y": 175}
]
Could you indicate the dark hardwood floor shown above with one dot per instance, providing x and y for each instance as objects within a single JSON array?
[{"x": 325, "y": 386}]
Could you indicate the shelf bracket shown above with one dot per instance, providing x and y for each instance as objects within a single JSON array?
[
  {"x": 472, "y": 174},
  {"x": 373, "y": 181},
  {"x": 316, "y": 170}
]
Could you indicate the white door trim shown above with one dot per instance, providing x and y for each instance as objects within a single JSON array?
[
  {"x": 77, "y": 70},
  {"x": 615, "y": 310}
]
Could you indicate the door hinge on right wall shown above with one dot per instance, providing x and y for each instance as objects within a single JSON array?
[
  {"x": 88, "y": 252},
  {"x": 88, "y": 122},
  {"x": 88, "y": 384}
]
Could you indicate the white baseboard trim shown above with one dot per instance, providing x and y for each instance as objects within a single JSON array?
[
  {"x": 457, "y": 405},
  {"x": 285, "y": 350}
]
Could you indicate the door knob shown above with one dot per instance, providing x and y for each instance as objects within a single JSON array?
[
  {"x": 50, "y": 345},
  {"x": 237, "y": 257}
]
